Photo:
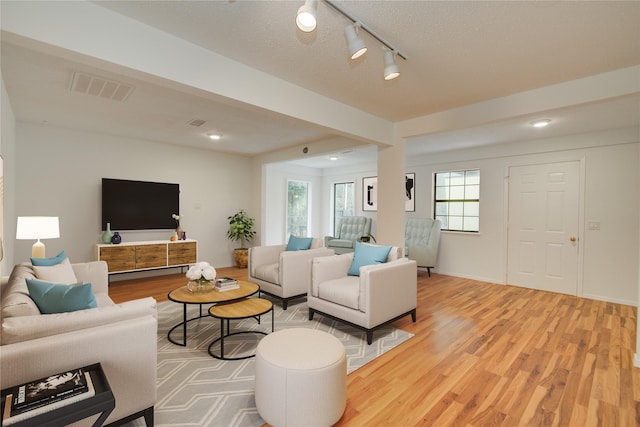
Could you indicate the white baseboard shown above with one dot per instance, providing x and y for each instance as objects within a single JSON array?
[
  {"x": 466, "y": 276},
  {"x": 613, "y": 300}
]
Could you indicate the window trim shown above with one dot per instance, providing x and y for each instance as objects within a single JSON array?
[
  {"x": 436, "y": 200},
  {"x": 309, "y": 207},
  {"x": 333, "y": 201}
]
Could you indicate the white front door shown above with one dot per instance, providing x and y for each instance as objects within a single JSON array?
[{"x": 543, "y": 227}]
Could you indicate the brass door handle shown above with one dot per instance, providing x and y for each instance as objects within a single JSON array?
[{"x": 573, "y": 239}]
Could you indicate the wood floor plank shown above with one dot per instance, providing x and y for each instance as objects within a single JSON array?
[{"x": 487, "y": 355}]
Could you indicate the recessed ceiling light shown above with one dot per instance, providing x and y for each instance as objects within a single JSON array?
[
  {"x": 540, "y": 123},
  {"x": 333, "y": 158},
  {"x": 215, "y": 136}
]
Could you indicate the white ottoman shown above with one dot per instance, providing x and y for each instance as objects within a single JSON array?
[{"x": 301, "y": 378}]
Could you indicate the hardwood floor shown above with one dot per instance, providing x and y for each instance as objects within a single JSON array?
[
  {"x": 487, "y": 355},
  {"x": 159, "y": 287}
]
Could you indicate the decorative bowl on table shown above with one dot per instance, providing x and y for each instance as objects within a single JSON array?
[
  {"x": 201, "y": 277},
  {"x": 199, "y": 286}
]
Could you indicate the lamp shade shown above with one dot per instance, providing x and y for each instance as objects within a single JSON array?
[{"x": 37, "y": 227}]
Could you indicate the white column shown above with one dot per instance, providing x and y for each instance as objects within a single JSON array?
[{"x": 391, "y": 200}]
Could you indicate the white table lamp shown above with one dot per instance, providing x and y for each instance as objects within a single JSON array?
[{"x": 37, "y": 227}]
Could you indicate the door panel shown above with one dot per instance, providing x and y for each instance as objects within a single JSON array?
[{"x": 543, "y": 220}]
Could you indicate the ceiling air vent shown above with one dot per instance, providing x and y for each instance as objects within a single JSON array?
[
  {"x": 99, "y": 86},
  {"x": 197, "y": 122}
]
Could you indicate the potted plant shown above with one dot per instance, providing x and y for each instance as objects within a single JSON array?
[
  {"x": 368, "y": 238},
  {"x": 241, "y": 228}
]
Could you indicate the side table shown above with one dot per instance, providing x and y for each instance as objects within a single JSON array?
[
  {"x": 101, "y": 403},
  {"x": 236, "y": 310},
  {"x": 185, "y": 297}
]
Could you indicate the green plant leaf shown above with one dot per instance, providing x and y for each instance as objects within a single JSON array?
[{"x": 241, "y": 227}]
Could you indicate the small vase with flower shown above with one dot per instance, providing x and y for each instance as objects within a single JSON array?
[{"x": 177, "y": 218}]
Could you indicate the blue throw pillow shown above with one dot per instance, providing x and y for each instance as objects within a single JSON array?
[
  {"x": 47, "y": 262},
  {"x": 299, "y": 243},
  {"x": 367, "y": 255},
  {"x": 56, "y": 298}
]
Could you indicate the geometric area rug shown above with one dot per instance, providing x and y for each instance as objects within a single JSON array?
[{"x": 195, "y": 389}]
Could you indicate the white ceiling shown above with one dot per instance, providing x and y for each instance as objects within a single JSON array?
[{"x": 459, "y": 53}]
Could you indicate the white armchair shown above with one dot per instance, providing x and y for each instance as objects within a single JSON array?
[
  {"x": 381, "y": 294},
  {"x": 281, "y": 273},
  {"x": 422, "y": 238}
]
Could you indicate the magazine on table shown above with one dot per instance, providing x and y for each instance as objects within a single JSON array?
[
  {"x": 46, "y": 394},
  {"x": 226, "y": 283}
]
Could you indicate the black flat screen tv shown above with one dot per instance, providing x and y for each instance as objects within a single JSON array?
[{"x": 139, "y": 205}]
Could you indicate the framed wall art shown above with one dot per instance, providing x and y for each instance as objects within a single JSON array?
[
  {"x": 410, "y": 192},
  {"x": 370, "y": 193}
]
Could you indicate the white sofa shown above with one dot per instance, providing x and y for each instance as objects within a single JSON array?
[
  {"x": 122, "y": 337},
  {"x": 281, "y": 273},
  {"x": 381, "y": 294}
]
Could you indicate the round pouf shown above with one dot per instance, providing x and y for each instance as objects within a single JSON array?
[{"x": 301, "y": 378}]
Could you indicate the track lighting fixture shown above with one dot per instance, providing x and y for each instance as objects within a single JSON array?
[
  {"x": 357, "y": 48},
  {"x": 391, "y": 70},
  {"x": 306, "y": 21},
  {"x": 306, "y": 16}
]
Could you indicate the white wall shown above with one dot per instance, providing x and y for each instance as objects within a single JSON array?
[
  {"x": 275, "y": 215},
  {"x": 636, "y": 358},
  {"x": 59, "y": 172},
  {"x": 7, "y": 150},
  {"x": 480, "y": 256},
  {"x": 347, "y": 174},
  {"x": 275, "y": 197},
  {"x": 609, "y": 258}
]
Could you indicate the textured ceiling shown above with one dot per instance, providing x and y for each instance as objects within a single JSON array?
[{"x": 459, "y": 53}]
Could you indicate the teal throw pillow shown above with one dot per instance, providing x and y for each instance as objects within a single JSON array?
[
  {"x": 299, "y": 243},
  {"x": 47, "y": 262},
  {"x": 367, "y": 255},
  {"x": 56, "y": 298}
]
